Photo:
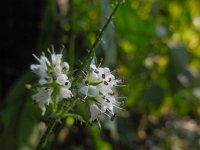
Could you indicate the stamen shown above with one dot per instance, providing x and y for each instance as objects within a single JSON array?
[
  {"x": 99, "y": 123},
  {"x": 49, "y": 51},
  {"x": 118, "y": 81},
  {"x": 52, "y": 47},
  {"x": 117, "y": 106},
  {"x": 66, "y": 83},
  {"x": 83, "y": 99},
  {"x": 100, "y": 62},
  {"x": 107, "y": 100},
  {"x": 109, "y": 80},
  {"x": 103, "y": 76},
  {"x": 113, "y": 117},
  {"x": 36, "y": 57},
  {"x": 117, "y": 85},
  {"x": 106, "y": 83},
  {"x": 110, "y": 111},
  {"x": 96, "y": 71},
  {"x": 119, "y": 102},
  {"x": 122, "y": 97},
  {"x": 62, "y": 48},
  {"x": 107, "y": 114}
]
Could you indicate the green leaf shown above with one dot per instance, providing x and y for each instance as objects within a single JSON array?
[{"x": 19, "y": 118}]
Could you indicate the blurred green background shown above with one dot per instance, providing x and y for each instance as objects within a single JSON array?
[{"x": 155, "y": 44}]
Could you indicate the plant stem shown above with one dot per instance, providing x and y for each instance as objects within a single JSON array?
[
  {"x": 85, "y": 63},
  {"x": 65, "y": 110},
  {"x": 45, "y": 136},
  {"x": 91, "y": 52}
]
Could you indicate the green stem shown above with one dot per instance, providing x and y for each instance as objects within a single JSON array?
[
  {"x": 65, "y": 110},
  {"x": 85, "y": 63},
  {"x": 45, "y": 136},
  {"x": 91, "y": 52}
]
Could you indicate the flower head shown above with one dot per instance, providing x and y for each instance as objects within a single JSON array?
[
  {"x": 100, "y": 84},
  {"x": 52, "y": 75},
  {"x": 43, "y": 97}
]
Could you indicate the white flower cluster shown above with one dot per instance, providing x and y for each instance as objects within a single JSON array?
[
  {"x": 100, "y": 84},
  {"x": 51, "y": 72}
]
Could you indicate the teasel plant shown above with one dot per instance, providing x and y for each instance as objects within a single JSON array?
[{"x": 59, "y": 89}]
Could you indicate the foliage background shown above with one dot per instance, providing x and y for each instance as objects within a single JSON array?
[{"x": 154, "y": 43}]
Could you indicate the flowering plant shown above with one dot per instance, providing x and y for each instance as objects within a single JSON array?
[{"x": 58, "y": 91}]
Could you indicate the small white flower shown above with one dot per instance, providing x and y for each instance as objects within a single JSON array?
[
  {"x": 65, "y": 93},
  {"x": 43, "y": 61},
  {"x": 41, "y": 70},
  {"x": 57, "y": 70},
  {"x": 65, "y": 67},
  {"x": 100, "y": 85},
  {"x": 92, "y": 66},
  {"x": 43, "y": 97},
  {"x": 62, "y": 79},
  {"x": 90, "y": 91},
  {"x": 56, "y": 59},
  {"x": 108, "y": 103},
  {"x": 95, "y": 112},
  {"x": 104, "y": 89},
  {"x": 93, "y": 77},
  {"x": 45, "y": 80},
  {"x": 51, "y": 72}
]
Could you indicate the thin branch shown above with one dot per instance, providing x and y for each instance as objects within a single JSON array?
[
  {"x": 91, "y": 52},
  {"x": 44, "y": 137}
]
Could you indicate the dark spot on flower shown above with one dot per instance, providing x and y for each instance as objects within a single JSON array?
[
  {"x": 107, "y": 100},
  {"x": 64, "y": 68},
  {"x": 66, "y": 83},
  {"x": 103, "y": 76},
  {"x": 86, "y": 82},
  {"x": 106, "y": 83},
  {"x": 96, "y": 71},
  {"x": 46, "y": 88},
  {"x": 113, "y": 117},
  {"x": 46, "y": 78},
  {"x": 103, "y": 97},
  {"x": 83, "y": 99},
  {"x": 109, "y": 80}
]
